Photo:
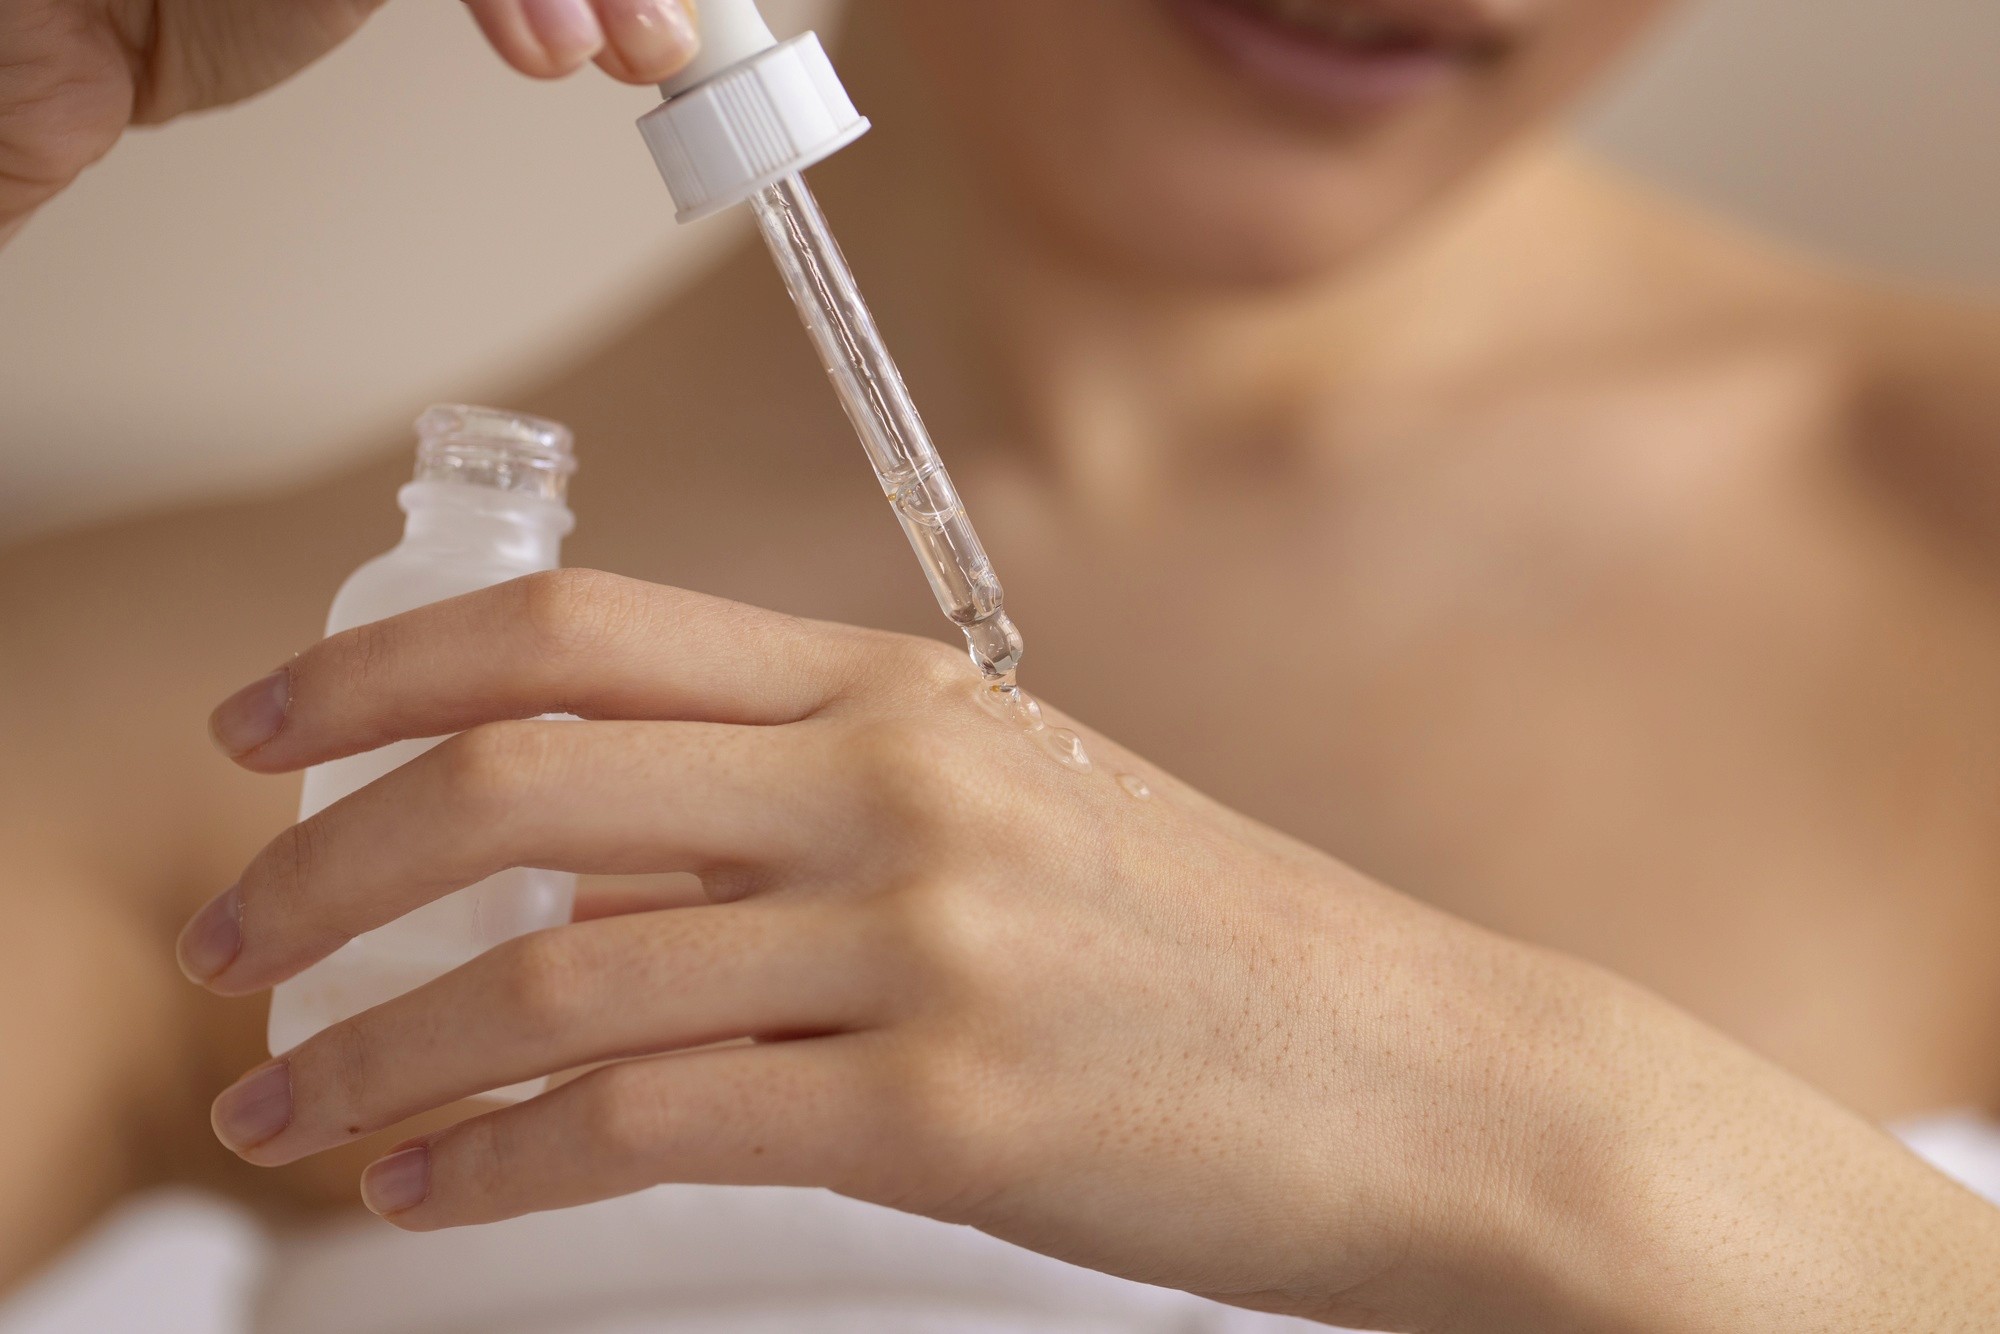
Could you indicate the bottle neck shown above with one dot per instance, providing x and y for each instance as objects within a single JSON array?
[{"x": 505, "y": 529}]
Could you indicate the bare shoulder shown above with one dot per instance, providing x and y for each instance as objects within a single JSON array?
[
  {"x": 1943, "y": 353},
  {"x": 1897, "y": 387},
  {"x": 1927, "y": 407},
  {"x": 1913, "y": 417}
]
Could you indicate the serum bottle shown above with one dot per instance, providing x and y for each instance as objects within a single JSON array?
[{"x": 486, "y": 506}]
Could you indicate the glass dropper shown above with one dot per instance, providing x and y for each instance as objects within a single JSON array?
[
  {"x": 892, "y": 432},
  {"x": 741, "y": 124}
]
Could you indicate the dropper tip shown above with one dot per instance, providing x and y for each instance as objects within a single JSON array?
[{"x": 996, "y": 645}]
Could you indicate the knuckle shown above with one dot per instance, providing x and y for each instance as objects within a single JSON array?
[
  {"x": 492, "y": 769},
  {"x": 45, "y": 166},
  {"x": 913, "y": 770},
  {"x": 945, "y": 931},
  {"x": 335, "y": 1065},
  {"x": 290, "y": 861},
  {"x": 541, "y": 983},
  {"x": 281, "y": 909},
  {"x": 906, "y": 666},
  {"x": 477, "y": 1156},
  {"x": 572, "y": 613},
  {"x": 366, "y": 655},
  {"x": 935, "y": 664},
  {"x": 622, "y": 1120},
  {"x": 280, "y": 879}
]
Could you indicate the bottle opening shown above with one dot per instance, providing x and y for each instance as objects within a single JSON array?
[{"x": 503, "y": 451}]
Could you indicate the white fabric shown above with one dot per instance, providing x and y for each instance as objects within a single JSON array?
[
  {"x": 1963, "y": 1145},
  {"x": 711, "y": 1260},
  {"x": 679, "y": 1260},
  {"x": 172, "y": 1262}
]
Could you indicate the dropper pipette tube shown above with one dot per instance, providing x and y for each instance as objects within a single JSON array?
[{"x": 871, "y": 389}]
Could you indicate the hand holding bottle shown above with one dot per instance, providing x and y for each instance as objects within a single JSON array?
[
  {"x": 75, "y": 74},
  {"x": 1138, "y": 1032}
]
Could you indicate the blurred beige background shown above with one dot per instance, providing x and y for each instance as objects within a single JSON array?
[{"x": 235, "y": 300}]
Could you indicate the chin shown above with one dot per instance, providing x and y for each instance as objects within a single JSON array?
[
  {"x": 1250, "y": 143},
  {"x": 1199, "y": 246},
  {"x": 1210, "y": 232},
  {"x": 1206, "y": 210}
]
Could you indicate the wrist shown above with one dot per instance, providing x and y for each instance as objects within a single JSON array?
[
  {"x": 1533, "y": 1178},
  {"x": 1569, "y": 1205},
  {"x": 1669, "y": 1180}
]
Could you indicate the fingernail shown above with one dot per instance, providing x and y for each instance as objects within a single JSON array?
[
  {"x": 567, "y": 29},
  {"x": 400, "y": 1181},
  {"x": 655, "y": 38},
  {"x": 213, "y": 937},
  {"x": 251, "y": 716},
  {"x": 255, "y": 1108}
]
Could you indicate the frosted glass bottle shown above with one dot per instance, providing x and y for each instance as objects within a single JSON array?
[{"x": 487, "y": 505}]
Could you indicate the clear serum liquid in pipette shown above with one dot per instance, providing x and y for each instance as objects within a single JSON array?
[
  {"x": 741, "y": 125},
  {"x": 871, "y": 388}
]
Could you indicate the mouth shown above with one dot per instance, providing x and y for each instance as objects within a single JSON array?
[{"x": 1345, "y": 56}]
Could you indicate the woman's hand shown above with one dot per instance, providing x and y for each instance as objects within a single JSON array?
[
  {"x": 1142, "y": 1034},
  {"x": 75, "y": 73}
]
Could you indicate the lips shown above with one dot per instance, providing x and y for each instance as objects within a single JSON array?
[{"x": 1344, "y": 56}]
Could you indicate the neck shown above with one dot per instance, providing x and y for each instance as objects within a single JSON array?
[{"x": 1120, "y": 384}]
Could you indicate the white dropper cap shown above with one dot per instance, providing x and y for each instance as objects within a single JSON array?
[{"x": 747, "y": 113}]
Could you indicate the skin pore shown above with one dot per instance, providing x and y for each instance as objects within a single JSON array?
[{"x": 1561, "y": 561}]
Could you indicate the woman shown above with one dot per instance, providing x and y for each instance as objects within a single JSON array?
[{"x": 1611, "y": 587}]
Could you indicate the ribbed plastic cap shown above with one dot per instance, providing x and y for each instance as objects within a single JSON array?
[{"x": 750, "y": 126}]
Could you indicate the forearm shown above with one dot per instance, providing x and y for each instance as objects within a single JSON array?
[{"x": 1711, "y": 1191}]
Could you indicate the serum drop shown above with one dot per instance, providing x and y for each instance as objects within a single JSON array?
[{"x": 486, "y": 506}]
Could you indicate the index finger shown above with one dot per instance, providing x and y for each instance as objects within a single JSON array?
[{"x": 567, "y": 641}]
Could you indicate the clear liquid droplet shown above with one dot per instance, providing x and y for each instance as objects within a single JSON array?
[
  {"x": 1011, "y": 704},
  {"x": 1135, "y": 787},
  {"x": 1066, "y": 746}
]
